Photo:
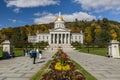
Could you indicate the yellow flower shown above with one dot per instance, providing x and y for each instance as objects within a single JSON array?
[
  {"x": 67, "y": 67},
  {"x": 58, "y": 66}
]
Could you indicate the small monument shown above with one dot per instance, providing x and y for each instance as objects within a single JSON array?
[
  {"x": 7, "y": 49},
  {"x": 113, "y": 50}
]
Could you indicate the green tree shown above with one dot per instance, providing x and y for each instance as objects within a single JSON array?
[{"x": 102, "y": 38}]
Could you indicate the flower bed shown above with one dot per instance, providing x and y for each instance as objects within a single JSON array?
[{"x": 62, "y": 68}]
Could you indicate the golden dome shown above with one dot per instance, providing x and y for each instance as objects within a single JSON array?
[{"x": 59, "y": 18}]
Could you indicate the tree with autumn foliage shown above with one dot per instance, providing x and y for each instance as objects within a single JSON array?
[
  {"x": 113, "y": 34},
  {"x": 88, "y": 37},
  {"x": 96, "y": 32}
]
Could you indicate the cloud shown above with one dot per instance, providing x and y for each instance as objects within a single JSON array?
[
  {"x": 99, "y": 5},
  {"x": 16, "y": 10},
  {"x": 67, "y": 17},
  {"x": 41, "y": 14},
  {"x": 100, "y": 17},
  {"x": 30, "y": 3},
  {"x": 12, "y": 20},
  {"x": 45, "y": 19}
]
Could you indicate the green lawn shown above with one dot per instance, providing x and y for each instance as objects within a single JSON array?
[
  {"x": 0, "y": 52},
  {"x": 17, "y": 51},
  {"x": 96, "y": 51}
]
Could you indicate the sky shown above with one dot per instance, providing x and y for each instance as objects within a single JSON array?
[{"x": 14, "y": 13}]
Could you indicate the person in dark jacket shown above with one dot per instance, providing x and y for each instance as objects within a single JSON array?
[{"x": 34, "y": 55}]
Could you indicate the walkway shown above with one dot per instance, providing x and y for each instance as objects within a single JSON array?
[
  {"x": 22, "y": 68},
  {"x": 102, "y": 68}
]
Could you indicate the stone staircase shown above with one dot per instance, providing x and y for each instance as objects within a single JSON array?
[{"x": 64, "y": 47}]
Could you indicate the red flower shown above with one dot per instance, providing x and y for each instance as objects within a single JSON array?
[{"x": 65, "y": 55}]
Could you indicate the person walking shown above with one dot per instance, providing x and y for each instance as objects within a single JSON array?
[
  {"x": 40, "y": 54},
  {"x": 37, "y": 51},
  {"x": 31, "y": 53},
  {"x": 34, "y": 55},
  {"x": 26, "y": 52}
]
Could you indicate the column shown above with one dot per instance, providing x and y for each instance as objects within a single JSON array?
[
  {"x": 53, "y": 38},
  {"x": 57, "y": 38},
  {"x": 61, "y": 38},
  {"x": 65, "y": 39},
  {"x": 50, "y": 39},
  {"x": 68, "y": 38}
]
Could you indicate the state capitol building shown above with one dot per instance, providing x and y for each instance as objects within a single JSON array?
[{"x": 59, "y": 35}]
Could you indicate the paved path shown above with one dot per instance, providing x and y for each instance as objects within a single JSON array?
[
  {"x": 102, "y": 68},
  {"x": 22, "y": 68}
]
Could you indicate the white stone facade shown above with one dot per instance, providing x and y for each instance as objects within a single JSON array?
[{"x": 58, "y": 35}]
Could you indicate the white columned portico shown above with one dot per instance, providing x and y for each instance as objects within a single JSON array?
[{"x": 58, "y": 35}]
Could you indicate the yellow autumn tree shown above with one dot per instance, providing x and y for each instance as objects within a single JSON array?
[
  {"x": 88, "y": 37},
  {"x": 113, "y": 34},
  {"x": 43, "y": 28},
  {"x": 97, "y": 29}
]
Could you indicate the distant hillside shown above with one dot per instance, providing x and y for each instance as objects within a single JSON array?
[{"x": 95, "y": 32}]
